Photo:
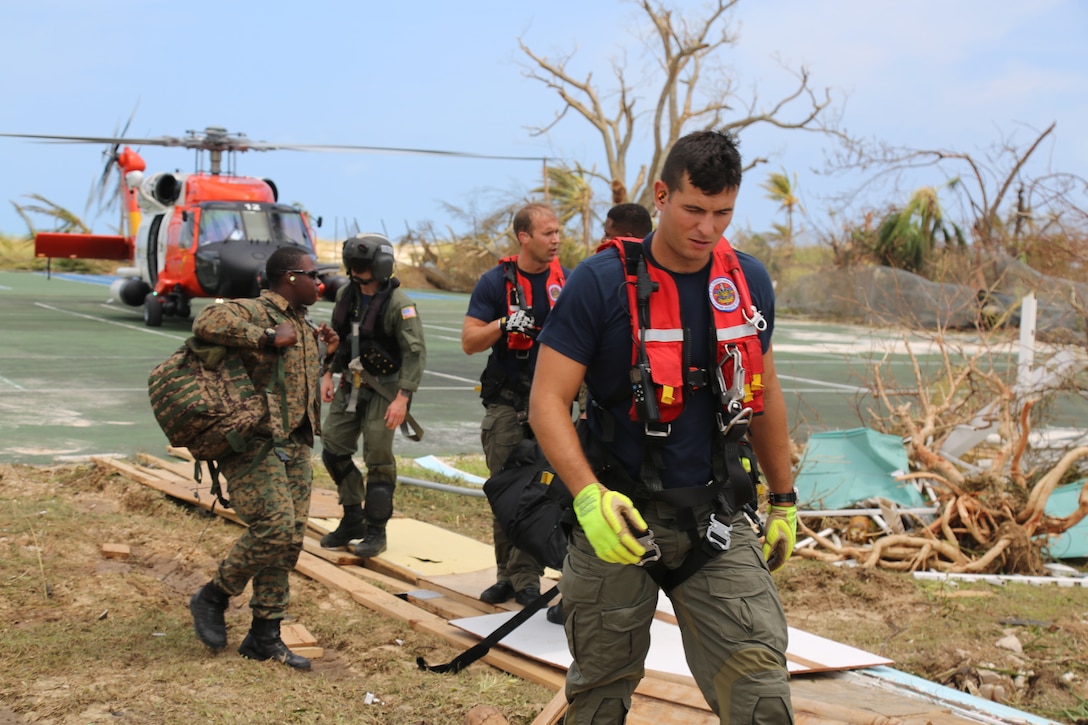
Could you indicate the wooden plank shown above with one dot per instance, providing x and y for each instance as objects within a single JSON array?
[
  {"x": 323, "y": 502},
  {"x": 366, "y": 594},
  {"x": 441, "y": 605},
  {"x": 651, "y": 711},
  {"x": 340, "y": 557},
  {"x": 311, "y": 653},
  {"x": 296, "y": 635},
  {"x": 116, "y": 551},
  {"x": 671, "y": 688},
  {"x": 171, "y": 485},
  {"x": 554, "y": 711}
]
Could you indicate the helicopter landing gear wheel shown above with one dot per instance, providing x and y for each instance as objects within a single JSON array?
[
  {"x": 182, "y": 310},
  {"x": 152, "y": 311}
]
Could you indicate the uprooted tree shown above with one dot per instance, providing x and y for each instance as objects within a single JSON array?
[{"x": 990, "y": 496}]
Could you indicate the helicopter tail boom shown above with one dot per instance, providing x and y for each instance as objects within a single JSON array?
[{"x": 58, "y": 245}]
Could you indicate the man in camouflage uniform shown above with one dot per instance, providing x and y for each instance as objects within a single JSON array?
[
  {"x": 381, "y": 363},
  {"x": 270, "y": 481}
]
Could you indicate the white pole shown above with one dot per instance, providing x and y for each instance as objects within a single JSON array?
[{"x": 1028, "y": 307}]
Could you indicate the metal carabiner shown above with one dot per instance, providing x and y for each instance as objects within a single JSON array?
[
  {"x": 733, "y": 396},
  {"x": 653, "y": 551},
  {"x": 756, "y": 319}
]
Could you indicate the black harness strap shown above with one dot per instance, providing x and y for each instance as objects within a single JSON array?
[
  {"x": 516, "y": 299},
  {"x": 480, "y": 649}
]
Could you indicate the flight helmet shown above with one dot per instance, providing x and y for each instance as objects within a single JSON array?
[{"x": 370, "y": 250}]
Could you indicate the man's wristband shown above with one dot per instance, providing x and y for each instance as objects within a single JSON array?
[{"x": 784, "y": 499}]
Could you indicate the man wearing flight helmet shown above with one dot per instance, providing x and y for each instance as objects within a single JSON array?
[{"x": 381, "y": 351}]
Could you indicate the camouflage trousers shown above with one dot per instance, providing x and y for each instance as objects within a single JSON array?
[
  {"x": 731, "y": 623},
  {"x": 500, "y": 432},
  {"x": 273, "y": 499}
]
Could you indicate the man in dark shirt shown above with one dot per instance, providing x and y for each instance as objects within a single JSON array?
[{"x": 684, "y": 479}]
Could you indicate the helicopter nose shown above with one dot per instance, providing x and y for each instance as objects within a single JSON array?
[{"x": 232, "y": 268}]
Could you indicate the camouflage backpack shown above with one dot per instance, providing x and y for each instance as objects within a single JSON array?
[{"x": 204, "y": 400}]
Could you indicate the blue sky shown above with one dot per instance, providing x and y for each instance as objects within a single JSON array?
[{"x": 961, "y": 75}]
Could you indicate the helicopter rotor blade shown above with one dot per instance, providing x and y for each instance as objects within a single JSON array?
[
  {"x": 216, "y": 139},
  {"x": 397, "y": 150},
  {"x": 103, "y": 194}
]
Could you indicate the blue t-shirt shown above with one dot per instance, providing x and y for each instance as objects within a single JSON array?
[
  {"x": 488, "y": 302},
  {"x": 590, "y": 324}
]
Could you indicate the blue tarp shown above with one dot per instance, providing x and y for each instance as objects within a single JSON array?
[
  {"x": 840, "y": 468},
  {"x": 1072, "y": 544}
]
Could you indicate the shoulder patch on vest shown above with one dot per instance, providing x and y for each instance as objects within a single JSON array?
[
  {"x": 408, "y": 313},
  {"x": 553, "y": 291},
  {"x": 723, "y": 294}
]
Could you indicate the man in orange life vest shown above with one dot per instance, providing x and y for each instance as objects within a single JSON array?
[
  {"x": 662, "y": 467},
  {"x": 508, "y": 306}
]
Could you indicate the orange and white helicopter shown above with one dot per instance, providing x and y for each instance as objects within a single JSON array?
[{"x": 201, "y": 234}]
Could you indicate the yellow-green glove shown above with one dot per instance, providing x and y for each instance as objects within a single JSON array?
[
  {"x": 607, "y": 517},
  {"x": 781, "y": 535}
]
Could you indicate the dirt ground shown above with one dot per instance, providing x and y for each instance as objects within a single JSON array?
[{"x": 89, "y": 639}]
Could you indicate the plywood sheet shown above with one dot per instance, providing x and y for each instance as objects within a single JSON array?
[
  {"x": 806, "y": 652},
  {"x": 418, "y": 549},
  {"x": 543, "y": 641}
]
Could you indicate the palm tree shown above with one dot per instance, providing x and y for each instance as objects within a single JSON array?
[
  {"x": 65, "y": 221},
  {"x": 908, "y": 237},
  {"x": 780, "y": 189}
]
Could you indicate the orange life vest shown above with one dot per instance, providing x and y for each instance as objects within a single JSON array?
[
  {"x": 519, "y": 294},
  {"x": 658, "y": 330}
]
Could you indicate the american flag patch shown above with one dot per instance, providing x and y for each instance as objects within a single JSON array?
[{"x": 407, "y": 313}]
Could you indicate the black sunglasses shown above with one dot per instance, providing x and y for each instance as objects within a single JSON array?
[{"x": 312, "y": 274}]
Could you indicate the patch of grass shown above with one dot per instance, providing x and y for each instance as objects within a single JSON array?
[{"x": 112, "y": 639}]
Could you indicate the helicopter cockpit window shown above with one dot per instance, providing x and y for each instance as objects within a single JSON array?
[
  {"x": 218, "y": 225},
  {"x": 287, "y": 226},
  {"x": 254, "y": 222}
]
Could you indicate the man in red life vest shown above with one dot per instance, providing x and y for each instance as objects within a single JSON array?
[
  {"x": 671, "y": 337},
  {"x": 506, "y": 311}
]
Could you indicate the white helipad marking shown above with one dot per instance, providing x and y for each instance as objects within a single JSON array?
[{"x": 111, "y": 322}]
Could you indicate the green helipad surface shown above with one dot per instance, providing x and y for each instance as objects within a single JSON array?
[{"x": 73, "y": 372}]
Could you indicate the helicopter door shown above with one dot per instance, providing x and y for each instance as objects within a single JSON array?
[{"x": 156, "y": 249}]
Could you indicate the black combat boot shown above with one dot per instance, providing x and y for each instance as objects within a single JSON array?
[
  {"x": 263, "y": 643},
  {"x": 373, "y": 543},
  {"x": 351, "y": 527},
  {"x": 207, "y": 607}
]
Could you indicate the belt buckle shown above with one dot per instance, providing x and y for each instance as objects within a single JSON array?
[{"x": 719, "y": 534}]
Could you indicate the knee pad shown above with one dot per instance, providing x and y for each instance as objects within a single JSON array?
[
  {"x": 340, "y": 467},
  {"x": 378, "y": 506}
]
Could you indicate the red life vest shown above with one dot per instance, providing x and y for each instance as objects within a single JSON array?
[
  {"x": 737, "y": 348},
  {"x": 519, "y": 294}
]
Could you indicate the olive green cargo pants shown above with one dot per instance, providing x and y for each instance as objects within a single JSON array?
[{"x": 731, "y": 621}]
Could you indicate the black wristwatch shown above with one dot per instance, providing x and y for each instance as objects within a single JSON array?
[
  {"x": 788, "y": 499},
  {"x": 270, "y": 336}
]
